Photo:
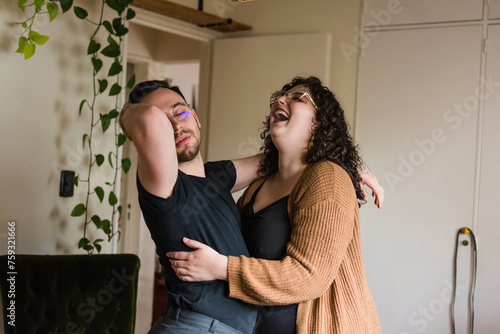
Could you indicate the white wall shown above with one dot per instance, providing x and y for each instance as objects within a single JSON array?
[{"x": 41, "y": 132}]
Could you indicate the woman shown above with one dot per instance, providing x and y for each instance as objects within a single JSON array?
[{"x": 310, "y": 191}]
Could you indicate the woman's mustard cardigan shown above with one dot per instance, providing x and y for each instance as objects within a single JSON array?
[{"x": 323, "y": 268}]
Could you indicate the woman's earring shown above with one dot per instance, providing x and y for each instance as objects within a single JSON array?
[{"x": 311, "y": 142}]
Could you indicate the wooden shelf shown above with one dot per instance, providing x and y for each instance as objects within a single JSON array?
[{"x": 191, "y": 15}]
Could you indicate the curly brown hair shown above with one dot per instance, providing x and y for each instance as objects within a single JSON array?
[{"x": 332, "y": 140}]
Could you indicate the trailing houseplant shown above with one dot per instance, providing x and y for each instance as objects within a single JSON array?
[{"x": 103, "y": 85}]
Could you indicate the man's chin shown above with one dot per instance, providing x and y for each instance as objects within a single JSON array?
[{"x": 187, "y": 155}]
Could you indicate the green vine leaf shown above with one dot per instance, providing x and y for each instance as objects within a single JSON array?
[
  {"x": 26, "y": 48},
  {"x": 121, "y": 139},
  {"x": 75, "y": 181},
  {"x": 97, "y": 245},
  {"x": 111, "y": 51},
  {"x": 116, "y": 5},
  {"x": 99, "y": 159},
  {"x": 115, "y": 89},
  {"x": 119, "y": 209},
  {"x": 100, "y": 193},
  {"x": 23, "y": 41},
  {"x": 103, "y": 84},
  {"x": 21, "y": 5},
  {"x": 121, "y": 31},
  {"x": 119, "y": 27},
  {"x": 85, "y": 139},
  {"x": 80, "y": 12},
  {"x": 53, "y": 10},
  {"x": 37, "y": 38},
  {"x": 106, "y": 226},
  {"x": 110, "y": 159},
  {"x": 83, "y": 242},
  {"x": 79, "y": 210},
  {"x": 112, "y": 41},
  {"x": 97, "y": 63},
  {"x": 130, "y": 14},
  {"x": 39, "y": 4},
  {"x": 115, "y": 69},
  {"x": 29, "y": 50},
  {"x": 93, "y": 47},
  {"x": 126, "y": 165},
  {"x": 66, "y": 5},
  {"x": 81, "y": 107},
  {"x": 131, "y": 82},
  {"x": 105, "y": 122},
  {"x": 113, "y": 113},
  {"x": 108, "y": 27},
  {"x": 112, "y": 198},
  {"x": 96, "y": 220}
]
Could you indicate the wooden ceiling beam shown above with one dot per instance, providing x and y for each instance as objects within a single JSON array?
[{"x": 191, "y": 15}]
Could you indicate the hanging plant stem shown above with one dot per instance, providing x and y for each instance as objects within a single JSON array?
[{"x": 116, "y": 31}]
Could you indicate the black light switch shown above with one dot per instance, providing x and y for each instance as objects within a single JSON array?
[{"x": 66, "y": 184}]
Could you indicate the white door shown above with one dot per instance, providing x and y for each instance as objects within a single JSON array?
[
  {"x": 488, "y": 273},
  {"x": 417, "y": 118},
  {"x": 245, "y": 72}
]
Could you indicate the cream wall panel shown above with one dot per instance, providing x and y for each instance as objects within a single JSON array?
[
  {"x": 488, "y": 293},
  {"x": 494, "y": 9},
  {"x": 245, "y": 73},
  {"x": 417, "y": 127},
  {"x": 397, "y": 12}
]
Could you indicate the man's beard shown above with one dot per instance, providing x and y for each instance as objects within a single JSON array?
[{"x": 190, "y": 153}]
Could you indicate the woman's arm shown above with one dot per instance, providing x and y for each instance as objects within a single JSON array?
[{"x": 202, "y": 264}]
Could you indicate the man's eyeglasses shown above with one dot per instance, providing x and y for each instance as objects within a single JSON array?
[
  {"x": 182, "y": 112},
  {"x": 292, "y": 97}
]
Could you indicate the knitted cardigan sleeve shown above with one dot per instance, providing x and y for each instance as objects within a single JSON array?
[{"x": 322, "y": 214}]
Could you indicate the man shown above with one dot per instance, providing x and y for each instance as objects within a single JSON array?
[{"x": 182, "y": 197}]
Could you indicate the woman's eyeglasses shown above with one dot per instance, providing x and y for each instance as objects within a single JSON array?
[{"x": 292, "y": 97}]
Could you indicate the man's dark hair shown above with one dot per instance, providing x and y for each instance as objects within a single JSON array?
[{"x": 141, "y": 90}]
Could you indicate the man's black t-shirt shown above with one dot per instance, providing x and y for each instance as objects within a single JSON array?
[{"x": 202, "y": 209}]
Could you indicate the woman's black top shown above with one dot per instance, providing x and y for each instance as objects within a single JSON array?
[{"x": 266, "y": 233}]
